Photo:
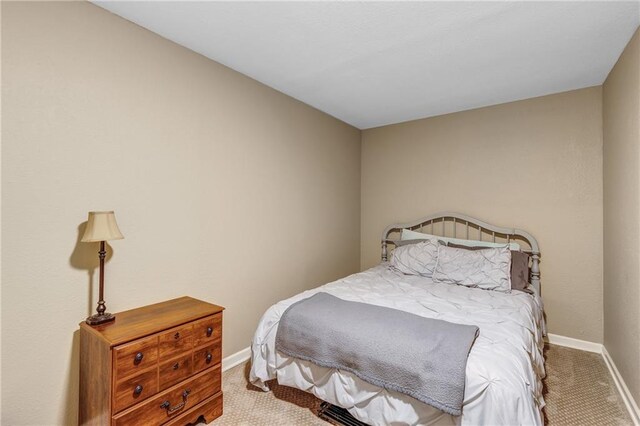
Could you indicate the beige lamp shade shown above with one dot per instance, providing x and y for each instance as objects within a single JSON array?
[{"x": 101, "y": 226}]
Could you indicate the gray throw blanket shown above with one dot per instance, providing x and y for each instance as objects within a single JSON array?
[{"x": 421, "y": 357}]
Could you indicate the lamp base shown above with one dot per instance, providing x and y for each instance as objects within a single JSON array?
[{"x": 97, "y": 319}]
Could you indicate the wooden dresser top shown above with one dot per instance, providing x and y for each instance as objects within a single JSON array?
[{"x": 139, "y": 322}]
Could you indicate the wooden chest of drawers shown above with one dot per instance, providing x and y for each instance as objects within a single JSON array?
[{"x": 159, "y": 364}]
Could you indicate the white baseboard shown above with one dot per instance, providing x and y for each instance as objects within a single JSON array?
[
  {"x": 632, "y": 407},
  {"x": 236, "y": 359},
  {"x": 570, "y": 342}
]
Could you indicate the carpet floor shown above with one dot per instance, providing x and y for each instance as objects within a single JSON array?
[{"x": 578, "y": 391}]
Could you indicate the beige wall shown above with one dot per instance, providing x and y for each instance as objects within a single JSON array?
[
  {"x": 225, "y": 190},
  {"x": 213, "y": 176},
  {"x": 621, "y": 117},
  {"x": 534, "y": 164}
]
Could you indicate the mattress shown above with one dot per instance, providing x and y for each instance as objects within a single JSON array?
[{"x": 504, "y": 372}]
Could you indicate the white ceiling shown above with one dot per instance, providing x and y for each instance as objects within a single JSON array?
[{"x": 377, "y": 63}]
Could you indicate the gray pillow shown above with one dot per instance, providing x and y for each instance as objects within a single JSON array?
[
  {"x": 415, "y": 259},
  {"x": 488, "y": 269},
  {"x": 519, "y": 270},
  {"x": 519, "y": 266}
]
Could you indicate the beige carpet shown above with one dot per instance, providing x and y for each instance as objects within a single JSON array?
[{"x": 578, "y": 390}]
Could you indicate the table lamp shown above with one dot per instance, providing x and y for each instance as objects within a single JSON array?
[{"x": 101, "y": 226}]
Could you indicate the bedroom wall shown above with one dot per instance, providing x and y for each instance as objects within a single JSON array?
[
  {"x": 621, "y": 117},
  {"x": 224, "y": 189},
  {"x": 534, "y": 164}
]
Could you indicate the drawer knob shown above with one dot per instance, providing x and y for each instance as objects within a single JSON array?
[
  {"x": 176, "y": 365},
  {"x": 139, "y": 357},
  {"x": 209, "y": 357},
  {"x": 209, "y": 331},
  {"x": 176, "y": 336},
  {"x": 138, "y": 390}
]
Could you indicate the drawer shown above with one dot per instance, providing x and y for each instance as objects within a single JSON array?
[
  {"x": 207, "y": 330},
  {"x": 136, "y": 356},
  {"x": 175, "y": 341},
  {"x": 173, "y": 402},
  {"x": 171, "y": 372},
  {"x": 207, "y": 357},
  {"x": 135, "y": 389},
  {"x": 210, "y": 408}
]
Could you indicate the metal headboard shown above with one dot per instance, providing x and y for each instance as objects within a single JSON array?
[{"x": 439, "y": 221}]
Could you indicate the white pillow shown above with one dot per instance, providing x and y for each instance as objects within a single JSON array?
[
  {"x": 413, "y": 235},
  {"x": 416, "y": 259},
  {"x": 489, "y": 268}
]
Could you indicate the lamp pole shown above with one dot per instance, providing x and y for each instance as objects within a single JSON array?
[{"x": 101, "y": 305}]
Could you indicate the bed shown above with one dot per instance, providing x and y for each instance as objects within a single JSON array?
[{"x": 505, "y": 366}]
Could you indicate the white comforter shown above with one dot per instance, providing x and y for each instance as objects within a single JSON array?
[{"x": 504, "y": 370}]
